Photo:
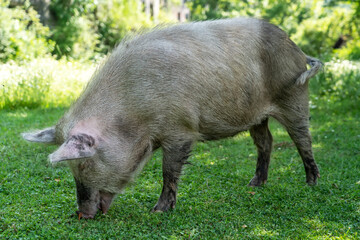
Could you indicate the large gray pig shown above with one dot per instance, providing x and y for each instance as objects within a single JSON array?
[{"x": 173, "y": 86}]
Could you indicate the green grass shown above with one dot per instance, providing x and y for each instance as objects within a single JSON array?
[
  {"x": 38, "y": 201},
  {"x": 42, "y": 82}
]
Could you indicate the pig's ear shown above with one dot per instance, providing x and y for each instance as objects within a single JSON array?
[
  {"x": 75, "y": 147},
  {"x": 46, "y": 135}
]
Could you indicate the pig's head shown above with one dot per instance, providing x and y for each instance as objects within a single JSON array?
[{"x": 102, "y": 161}]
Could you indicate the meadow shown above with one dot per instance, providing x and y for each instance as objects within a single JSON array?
[{"x": 38, "y": 201}]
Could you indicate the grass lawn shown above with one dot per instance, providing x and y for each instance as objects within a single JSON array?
[{"x": 38, "y": 201}]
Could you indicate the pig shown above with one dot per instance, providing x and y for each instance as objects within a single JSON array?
[{"x": 170, "y": 87}]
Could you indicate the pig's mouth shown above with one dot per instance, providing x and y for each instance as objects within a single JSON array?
[
  {"x": 84, "y": 216},
  {"x": 103, "y": 204}
]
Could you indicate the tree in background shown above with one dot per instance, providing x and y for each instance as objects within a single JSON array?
[
  {"x": 74, "y": 32},
  {"x": 75, "y": 28},
  {"x": 81, "y": 28},
  {"x": 115, "y": 19},
  {"x": 22, "y": 36},
  {"x": 351, "y": 32}
]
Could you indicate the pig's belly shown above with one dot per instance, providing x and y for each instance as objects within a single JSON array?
[{"x": 227, "y": 125}]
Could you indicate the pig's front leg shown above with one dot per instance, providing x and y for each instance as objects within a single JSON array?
[
  {"x": 174, "y": 158},
  {"x": 263, "y": 140}
]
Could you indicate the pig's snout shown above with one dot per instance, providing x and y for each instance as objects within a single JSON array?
[
  {"x": 88, "y": 212},
  {"x": 83, "y": 215}
]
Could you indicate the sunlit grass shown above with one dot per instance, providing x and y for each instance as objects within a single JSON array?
[{"x": 42, "y": 83}]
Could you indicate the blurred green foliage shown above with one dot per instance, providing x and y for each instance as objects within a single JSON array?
[
  {"x": 74, "y": 34},
  {"x": 338, "y": 82},
  {"x": 315, "y": 25},
  {"x": 317, "y": 37},
  {"x": 22, "y": 36},
  {"x": 84, "y": 28},
  {"x": 116, "y": 19},
  {"x": 351, "y": 52}
]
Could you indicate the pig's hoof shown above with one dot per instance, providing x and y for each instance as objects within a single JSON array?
[
  {"x": 256, "y": 182},
  {"x": 163, "y": 206},
  {"x": 156, "y": 211},
  {"x": 312, "y": 174},
  {"x": 311, "y": 179}
]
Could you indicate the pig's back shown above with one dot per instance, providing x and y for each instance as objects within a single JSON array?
[{"x": 203, "y": 75}]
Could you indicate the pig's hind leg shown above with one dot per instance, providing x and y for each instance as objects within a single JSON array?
[
  {"x": 300, "y": 134},
  {"x": 263, "y": 140},
  {"x": 175, "y": 156},
  {"x": 296, "y": 121}
]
